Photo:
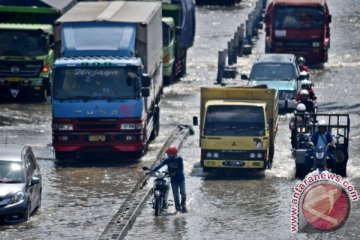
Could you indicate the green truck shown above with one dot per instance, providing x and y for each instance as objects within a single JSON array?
[
  {"x": 178, "y": 36},
  {"x": 26, "y": 47}
]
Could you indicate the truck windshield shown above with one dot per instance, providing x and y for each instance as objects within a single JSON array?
[
  {"x": 273, "y": 71},
  {"x": 234, "y": 120},
  {"x": 298, "y": 17},
  {"x": 95, "y": 83},
  {"x": 22, "y": 43}
]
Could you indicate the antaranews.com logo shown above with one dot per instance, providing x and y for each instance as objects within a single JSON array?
[{"x": 323, "y": 201}]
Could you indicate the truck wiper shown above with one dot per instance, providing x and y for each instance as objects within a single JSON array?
[{"x": 84, "y": 98}]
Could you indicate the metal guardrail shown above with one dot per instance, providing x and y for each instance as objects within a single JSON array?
[{"x": 124, "y": 218}]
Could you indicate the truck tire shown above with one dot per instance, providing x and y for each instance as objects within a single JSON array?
[
  {"x": 156, "y": 128},
  {"x": 183, "y": 66}
]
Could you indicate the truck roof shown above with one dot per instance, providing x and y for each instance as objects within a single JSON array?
[
  {"x": 301, "y": 2},
  {"x": 59, "y": 6},
  {"x": 26, "y": 26},
  {"x": 131, "y": 12}
]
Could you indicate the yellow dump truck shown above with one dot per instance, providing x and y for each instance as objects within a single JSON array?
[{"x": 238, "y": 126}]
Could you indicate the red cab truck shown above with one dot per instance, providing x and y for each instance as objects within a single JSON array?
[{"x": 300, "y": 27}]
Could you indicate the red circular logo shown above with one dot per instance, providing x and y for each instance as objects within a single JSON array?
[{"x": 325, "y": 206}]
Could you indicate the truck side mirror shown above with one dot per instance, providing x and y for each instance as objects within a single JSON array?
[
  {"x": 267, "y": 18},
  {"x": 244, "y": 76},
  {"x": 51, "y": 41},
  {"x": 145, "y": 81},
  {"x": 178, "y": 30},
  {"x": 195, "y": 121},
  {"x": 145, "y": 92},
  {"x": 329, "y": 18}
]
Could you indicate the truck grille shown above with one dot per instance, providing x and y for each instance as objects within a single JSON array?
[
  {"x": 20, "y": 68},
  {"x": 234, "y": 155},
  {"x": 97, "y": 124}
]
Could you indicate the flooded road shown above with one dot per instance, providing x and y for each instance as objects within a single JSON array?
[{"x": 79, "y": 199}]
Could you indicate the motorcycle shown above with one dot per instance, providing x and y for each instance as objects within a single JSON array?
[
  {"x": 160, "y": 190},
  {"x": 320, "y": 157}
]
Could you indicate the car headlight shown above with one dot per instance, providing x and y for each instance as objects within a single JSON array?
[
  {"x": 316, "y": 44},
  {"x": 252, "y": 155},
  {"x": 209, "y": 155},
  {"x": 130, "y": 126},
  {"x": 17, "y": 197}
]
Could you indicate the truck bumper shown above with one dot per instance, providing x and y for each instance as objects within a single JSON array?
[
  {"x": 245, "y": 164},
  {"x": 20, "y": 93},
  {"x": 106, "y": 148}
]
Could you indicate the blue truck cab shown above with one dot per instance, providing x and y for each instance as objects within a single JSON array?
[{"x": 108, "y": 80}]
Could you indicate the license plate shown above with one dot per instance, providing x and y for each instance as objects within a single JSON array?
[
  {"x": 97, "y": 138},
  {"x": 234, "y": 163}
]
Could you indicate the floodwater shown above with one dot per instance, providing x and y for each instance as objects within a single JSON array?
[{"x": 79, "y": 199}]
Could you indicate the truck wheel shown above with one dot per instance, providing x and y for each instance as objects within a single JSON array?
[
  {"x": 183, "y": 66},
  {"x": 300, "y": 171},
  {"x": 156, "y": 129}
]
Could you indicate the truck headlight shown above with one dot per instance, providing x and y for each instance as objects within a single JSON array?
[
  {"x": 209, "y": 155},
  {"x": 130, "y": 126},
  {"x": 65, "y": 127},
  {"x": 259, "y": 155},
  {"x": 316, "y": 44},
  {"x": 216, "y": 155},
  {"x": 252, "y": 155}
]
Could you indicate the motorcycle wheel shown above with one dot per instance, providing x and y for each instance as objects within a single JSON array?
[{"x": 157, "y": 206}]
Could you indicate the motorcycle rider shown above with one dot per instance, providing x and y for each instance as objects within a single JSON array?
[
  {"x": 307, "y": 85},
  {"x": 304, "y": 99},
  {"x": 175, "y": 166},
  {"x": 322, "y": 138},
  {"x": 300, "y": 120},
  {"x": 301, "y": 63}
]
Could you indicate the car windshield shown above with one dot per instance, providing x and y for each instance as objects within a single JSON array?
[
  {"x": 233, "y": 120},
  {"x": 95, "y": 83},
  {"x": 22, "y": 43},
  {"x": 298, "y": 17},
  {"x": 273, "y": 71},
  {"x": 11, "y": 172}
]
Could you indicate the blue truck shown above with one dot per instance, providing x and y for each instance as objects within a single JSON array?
[{"x": 107, "y": 79}]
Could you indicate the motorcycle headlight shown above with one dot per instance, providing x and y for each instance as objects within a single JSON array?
[
  {"x": 319, "y": 155},
  {"x": 316, "y": 44},
  {"x": 17, "y": 197}
]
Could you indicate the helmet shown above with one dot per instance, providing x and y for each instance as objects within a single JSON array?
[
  {"x": 322, "y": 123},
  {"x": 171, "y": 150},
  {"x": 306, "y": 83},
  {"x": 301, "y": 107},
  {"x": 304, "y": 92},
  {"x": 301, "y": 60}
]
